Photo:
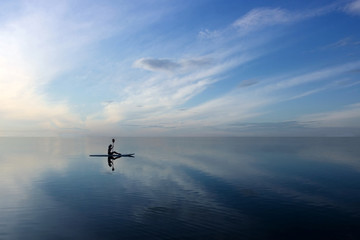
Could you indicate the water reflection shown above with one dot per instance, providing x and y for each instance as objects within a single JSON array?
[
  {"x": 111, "y": 161},
  {"x": 181, "y": 188}
]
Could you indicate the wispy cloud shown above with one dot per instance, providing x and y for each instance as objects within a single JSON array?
[
  {"x": 241, "y": 104},
  {"x": 38, "y": 44},
  {"x": 312, "y": 76},
  {"x": 262, "y": 17},
  {"x": 353, "y": 7},
  {"x": 168, "y": 65},
  {"x": 157, "y": 64},
  {"x": 248, "y": 83},
  {"x": 344, "y": 42},
  {"x": 162, "y": 95},
  {"x": 42, "y": 45},
  {"x": 347, "y": 117}
]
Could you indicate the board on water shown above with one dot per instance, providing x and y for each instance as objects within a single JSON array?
[{"x": 113, "y": 155}]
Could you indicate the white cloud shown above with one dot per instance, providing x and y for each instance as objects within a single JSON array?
[
  {"x": 162, "y": 95},
  {"x": 353, "y": 7},
  {"x": 312, "y": 77},
  {"x": 37, "y": 44},
  {"x": 348, "y": 41},
  {"x": 242, "y": 104},
  {"x": 172, "y": 66},
  {"x": 346, "y": 117},
  {"x": 262, "y": 17},
  {"x": 207, "y": 34}
]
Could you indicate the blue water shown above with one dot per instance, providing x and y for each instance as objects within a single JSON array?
[{"x": 180, "y": 188}]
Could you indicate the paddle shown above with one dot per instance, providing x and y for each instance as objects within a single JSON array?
[{"x": 113, "y": 141}]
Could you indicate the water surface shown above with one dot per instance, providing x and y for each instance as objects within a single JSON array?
[{"x": 180, "y": 188}]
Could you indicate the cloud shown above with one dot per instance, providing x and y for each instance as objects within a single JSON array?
[
  {"x": 157, "y": 64},
  {"x": 244, "y": 104},
  {"x": 38, "y": 44},
  {"x": 262, "y": 17},
  {"x": 349, "y": 116},
  {"x": 172, "y": 81},
  {"x": 344, "y": 42},
  {"x": 167, "y": 65},
  {"x": 248, "y": 83},
  {"x": 312, "y": 76},
  {"x": 254, "y": 20},
  {"x": 207, "y": 34},
  {"x": 259, "y": 18},
  {"x": 353, "y": 7},
  {"x": 161, "y": 97}
]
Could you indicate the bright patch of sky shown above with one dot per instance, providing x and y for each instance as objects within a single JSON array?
[{"x": 180, "y": 68}]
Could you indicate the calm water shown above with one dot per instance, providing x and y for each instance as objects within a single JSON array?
[{"x": 180, "y": 188}]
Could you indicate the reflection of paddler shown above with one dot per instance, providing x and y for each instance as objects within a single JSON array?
[{"x": 111, "y": 161}]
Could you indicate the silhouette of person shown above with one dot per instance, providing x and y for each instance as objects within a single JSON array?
[{"x": 110, "y": 150}]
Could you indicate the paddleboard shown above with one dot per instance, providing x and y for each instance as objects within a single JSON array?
[{"x": 113, "y": 155}]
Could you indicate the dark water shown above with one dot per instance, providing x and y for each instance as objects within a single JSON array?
[{"x": 180, "y": 188}]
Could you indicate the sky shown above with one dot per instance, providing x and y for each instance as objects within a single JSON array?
[{"x": 180, "y": 68}]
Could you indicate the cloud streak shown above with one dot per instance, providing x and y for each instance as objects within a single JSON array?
[
  {"x": 168, "y": 65},
  {"x": 162, "y": 96},
  {"x": 37, "y": 45},
  {"x": 348, "y": 116},
  {"x": 262, "y": 17},
  {"x": 188, "y": 85},
  {"x": 353, "y": 7}
]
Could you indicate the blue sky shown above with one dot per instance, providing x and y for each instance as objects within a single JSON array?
[{"x": 180, "y": 68}]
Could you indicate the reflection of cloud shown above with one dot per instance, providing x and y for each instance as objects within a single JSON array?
[
  {"x": 226, "y": 162},
  {"x": 339, "y": 151},
  {"x": 172, "y": 177},
  {"x": 21, "y": 166}
]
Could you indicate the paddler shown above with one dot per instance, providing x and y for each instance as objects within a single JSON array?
[{"x": 111, "y": 147}]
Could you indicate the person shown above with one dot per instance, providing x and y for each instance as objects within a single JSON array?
[{"x": 110, "y": 150}]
